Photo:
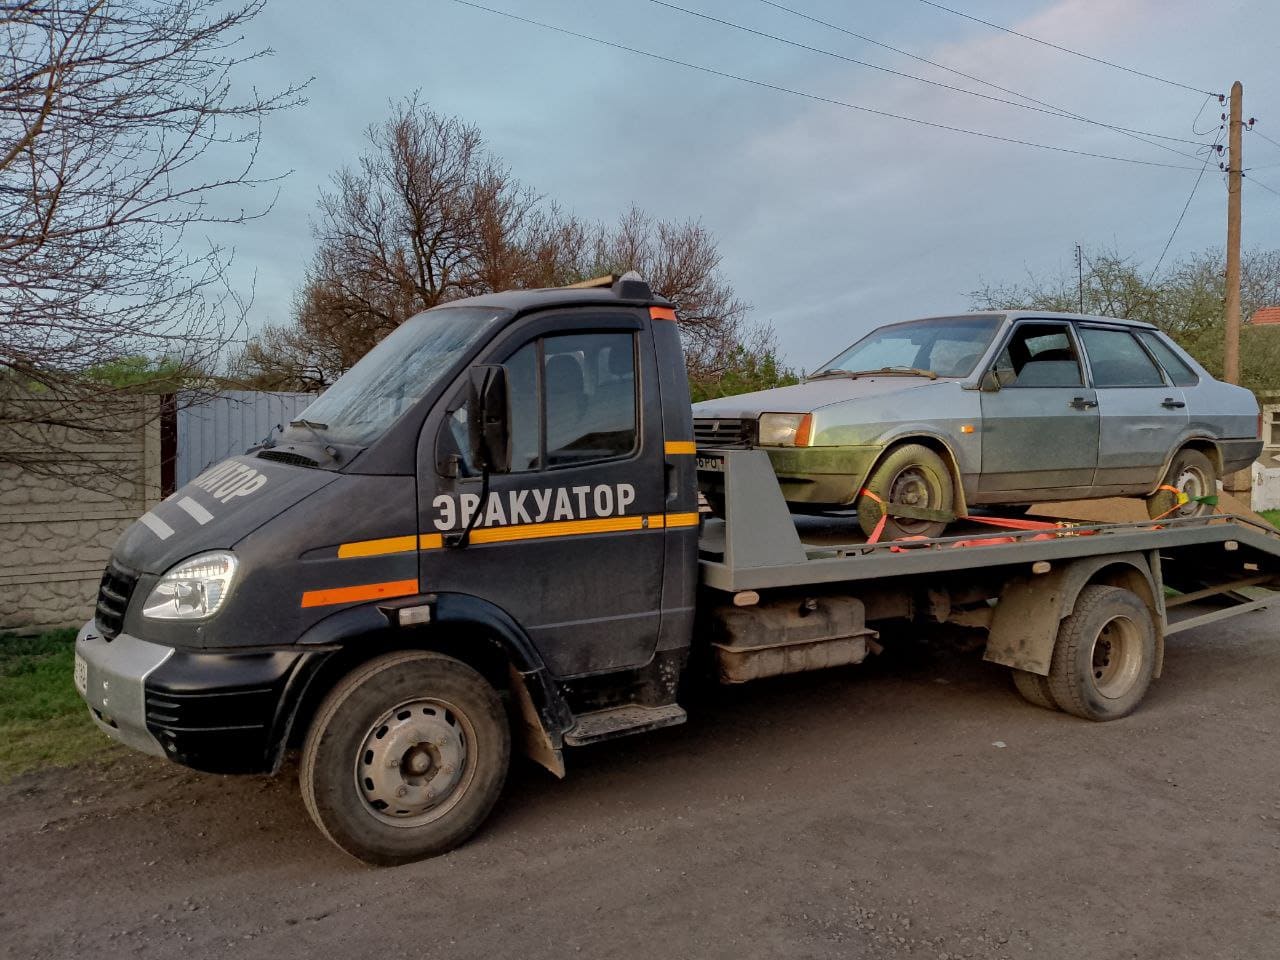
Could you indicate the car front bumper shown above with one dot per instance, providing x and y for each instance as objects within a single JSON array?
[
  {"x": 827, "y": 476},
  {"x": 224, "y": 712}
]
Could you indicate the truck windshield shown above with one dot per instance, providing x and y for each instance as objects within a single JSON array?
[
  {"x": 945, "y": 346},
  {"x": 398, "y": 372}
]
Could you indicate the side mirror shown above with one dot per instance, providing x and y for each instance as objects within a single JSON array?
[
  {"x": 489, "y": 418},
  {"x": 989, "y": 383}
]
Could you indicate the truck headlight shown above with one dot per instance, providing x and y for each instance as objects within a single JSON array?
[
  {"x": 786, "y": 429},
  {"x": 192, "y": 590}
]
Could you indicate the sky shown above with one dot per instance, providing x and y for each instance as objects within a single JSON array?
[{"x": 830, "y": 220}]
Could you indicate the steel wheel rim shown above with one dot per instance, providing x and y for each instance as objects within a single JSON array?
[
  {"x": 1194, "y": 484},
  {"x": 415, "y": 762},
  {"x": 1116, "y": 658},
  {"x": 910, "y": 487}
]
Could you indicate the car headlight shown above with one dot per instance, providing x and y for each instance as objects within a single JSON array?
[
  {"x": 192, "y": 590},
  {"x": 786, "y": 429}
]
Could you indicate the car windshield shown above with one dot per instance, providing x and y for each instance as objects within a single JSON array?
[
  {"x": 395, "y": 374},
  {"x": 946, "y": 346}
]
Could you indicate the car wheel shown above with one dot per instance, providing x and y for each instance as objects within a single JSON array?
[
  {"x": 1191, "y": 473},
  {"x": 405, "y": 757},
  {"x": 911, "y": 475}
]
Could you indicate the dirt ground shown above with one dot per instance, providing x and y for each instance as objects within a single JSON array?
[{"x": 911, "y": 807}]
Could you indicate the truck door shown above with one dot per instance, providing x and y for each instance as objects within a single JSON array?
[
  {"x": 570, "y": 541},
  {"x": 1040, "y": 429}
]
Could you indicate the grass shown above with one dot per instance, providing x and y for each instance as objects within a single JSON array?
[
  {"x": 43, "y": 721},
  {"x": 1272, "y": 517}
]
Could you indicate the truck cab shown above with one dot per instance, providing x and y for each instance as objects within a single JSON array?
[{"x": 499, "y": 500}]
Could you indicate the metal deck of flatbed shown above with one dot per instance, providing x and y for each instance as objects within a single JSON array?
[{"x": 762, "y": 546}]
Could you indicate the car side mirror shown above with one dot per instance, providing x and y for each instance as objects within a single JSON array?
[
  {"x": 990, "y": 383},
  {"x": 489, "y": 418}
]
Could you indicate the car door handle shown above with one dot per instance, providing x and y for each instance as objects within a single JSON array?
[
  {"x": 1172, "y": 404},
  {"x": 1080, "y": 403}
]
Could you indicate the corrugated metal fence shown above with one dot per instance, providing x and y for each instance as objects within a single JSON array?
[{"x": 214, "y": 428}]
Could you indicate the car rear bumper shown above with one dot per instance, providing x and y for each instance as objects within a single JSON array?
[
  {"x": 1238, "y": 454},
  {"x": 224, "y": 712}
]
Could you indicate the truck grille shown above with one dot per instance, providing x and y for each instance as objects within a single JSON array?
[
  {"x": 113, "y": 598},
  {"x": 283, "y": 456},
  {"x": 724, "y": 432}
]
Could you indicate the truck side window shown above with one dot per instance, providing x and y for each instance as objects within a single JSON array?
[{"x": 590, "y": 396}]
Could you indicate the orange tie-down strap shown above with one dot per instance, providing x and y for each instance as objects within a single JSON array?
[
  {"x": 1059, "y": 528},
  {"x": 1180, "y": 500}
]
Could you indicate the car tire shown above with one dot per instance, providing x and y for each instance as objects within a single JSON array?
[
  {"x": 1191, "y": 472},
  {"x": 910, "y": 474},
  {"x": 405, "y": 757},
  {"x": 1034, "y": 689},
  {"x": 1104, "y": 656}
]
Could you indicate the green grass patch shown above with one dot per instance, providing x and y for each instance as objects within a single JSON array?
[
  {"x": 1272, "y": 517},
  {"x": 43, "y": 721}
]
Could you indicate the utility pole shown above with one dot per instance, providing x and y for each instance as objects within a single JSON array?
[
  {"x": 1235, "y": 173},
  {"x": 1080, "y": 275}
]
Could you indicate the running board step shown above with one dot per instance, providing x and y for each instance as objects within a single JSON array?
[{"x": 621, "y": 722}]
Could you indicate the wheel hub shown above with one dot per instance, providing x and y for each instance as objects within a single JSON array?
[
  {"x": 1192, "y": 485},
  {"x": 412, "y": 761},
  {"x": 1117, "y": 658}
]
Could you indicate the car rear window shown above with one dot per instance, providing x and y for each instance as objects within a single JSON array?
[
  {"x": 1118, "y": 360},
  {"x": 1177, "y": 369}
]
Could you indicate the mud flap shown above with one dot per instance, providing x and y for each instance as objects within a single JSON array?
[{"x": 528, "y": 729}]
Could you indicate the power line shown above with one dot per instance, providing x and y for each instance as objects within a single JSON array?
[
  {"x": 1138, "y": 135},
  {"x": 1210, "y": 154},
  {"x": 813, "y": 96},
  {"x": 1262, "y": 135},
  {"x": 1053, "y": 112},
  {"x": 1262, "y": 185},
  {"x": 1074, "y": 53}
]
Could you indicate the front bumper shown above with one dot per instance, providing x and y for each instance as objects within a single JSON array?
[
  {"x": 224, "y": 712},
  {"x": 826, "y": 476}
]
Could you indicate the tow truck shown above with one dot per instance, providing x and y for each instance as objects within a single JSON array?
[{"x": 488, "y": 536}]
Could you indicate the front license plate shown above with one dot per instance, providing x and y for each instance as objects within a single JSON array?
[{"x": 81, "y": 675}]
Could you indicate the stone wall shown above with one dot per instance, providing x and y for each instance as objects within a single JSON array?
[{"x": 62, "y": 510}]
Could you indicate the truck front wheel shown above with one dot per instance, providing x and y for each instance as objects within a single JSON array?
[
  {"x": 405, "y": 758},
  {"x": 1104, "y": 656}
]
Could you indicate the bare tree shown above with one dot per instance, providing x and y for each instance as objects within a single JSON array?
[
  {"x": 428, "y": 215},
  {"x": 120, "y": 136}
]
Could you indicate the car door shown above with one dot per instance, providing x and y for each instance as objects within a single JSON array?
[
  {"x": 1143, "y": 416},
  {"x": 1040, "y": 427},
  {"x": 570, "y": 543}
]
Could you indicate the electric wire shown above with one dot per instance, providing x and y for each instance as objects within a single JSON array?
[
  {"x": 817, "y": 98},
  {"x": 1074, "y": 53},
  {"x": 1263, "y": 136},
  {"x": 1053, "y": 111},
  {"x": 1134, "y": 134},
  {"x": 1261, "y": 184},
  {"x": 1209, "y": 155}
]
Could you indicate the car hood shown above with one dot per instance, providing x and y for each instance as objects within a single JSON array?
[
  {"x": 215, "y": 511},
  {"x": 806, "y": 397}
]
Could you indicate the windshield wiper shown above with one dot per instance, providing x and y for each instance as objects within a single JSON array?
[
  {"x": 883, "y": 371},
  {"x": 315, "y": 427}
]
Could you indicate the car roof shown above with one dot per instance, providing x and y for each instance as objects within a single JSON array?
[{"x": 1044, "y": 315}]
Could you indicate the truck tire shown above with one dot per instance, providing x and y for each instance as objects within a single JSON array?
[
  {"x": 1104, "y": 656},
  {"x": 913, "y": 475},
  {"x": 405, "y": 757},
  {"x": 1193, "y": 473},
  {"x": 1034, "y": 689}
]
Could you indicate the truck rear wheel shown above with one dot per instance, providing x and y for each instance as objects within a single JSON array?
[
  {"x": 1104, "y": 656},
  {"x": 405, "y": 757},
  {"x": 1034, "y": 689}
]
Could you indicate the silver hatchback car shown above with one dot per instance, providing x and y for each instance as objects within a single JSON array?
[{"x": 920, "y": 421}]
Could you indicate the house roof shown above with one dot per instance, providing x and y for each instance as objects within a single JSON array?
[{"x": 1266, "y": 315}]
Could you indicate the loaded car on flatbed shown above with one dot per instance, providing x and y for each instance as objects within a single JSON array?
[{"x": 488, "y": 533}]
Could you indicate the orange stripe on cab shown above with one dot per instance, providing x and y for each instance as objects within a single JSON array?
[
  {"x": 662, "y": 313},
  {"x": 365, "y": 591},
  {"x": 681, "y": 446}
]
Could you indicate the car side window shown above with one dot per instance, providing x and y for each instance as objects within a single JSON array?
[
  {"x": 1039, "y": 355},
  {"x": 1177, "y": 369},
  {"x": 1118, "y": 360},
  {"x": 573, "y": 401}
]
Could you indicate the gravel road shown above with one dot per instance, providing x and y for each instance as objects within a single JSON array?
[{"x": 910, "y": 807}]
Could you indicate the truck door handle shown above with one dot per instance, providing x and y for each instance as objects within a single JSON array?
[
  {"x": 1080, "y": 403},
  {"x": 1172, "y": 404}
]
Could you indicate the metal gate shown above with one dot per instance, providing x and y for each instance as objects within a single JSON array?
[{"x": 210, "y": 429}]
